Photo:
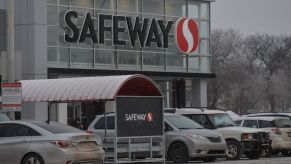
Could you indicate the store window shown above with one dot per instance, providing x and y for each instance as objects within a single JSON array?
[
  {"x": 88, "y": 55},
  {"x": 175, "y": 7},
  {"x": 193, "y": 9},
  {"x": 129, "y": 5},
  {"x": 153, "y": 6},
  {"x": 82, "y": 58},
  {"x": 105, "y": 4},
  {"x": 204, "y": 10}
]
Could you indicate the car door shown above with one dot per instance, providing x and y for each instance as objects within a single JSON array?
[
  {"x": 169, "y": 135},
  {"x": 14, "y": 140}
]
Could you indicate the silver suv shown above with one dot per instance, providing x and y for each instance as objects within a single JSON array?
[
  {"x": 185, "y": 139},
  {"x": 240, "y": 140}
]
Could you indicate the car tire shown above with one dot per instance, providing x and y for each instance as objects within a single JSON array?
[
  {"x": 179, "y": 153},
  {"x": 254, "y": 154},
  {"x": 32, "y": 158},
  {"x": 286, "y": 153},
  {"x": 275, "y": 152},
  {"x": 233, "y": 150},
  {"x": 209, "y": 159}
]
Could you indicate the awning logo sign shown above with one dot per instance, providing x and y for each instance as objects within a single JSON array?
[
  {"x": 187, "y": 35},
  {"x": 147, "y": 32},
  {"x": 150, "y": 117},
  {"x": 139, "y": 117}
]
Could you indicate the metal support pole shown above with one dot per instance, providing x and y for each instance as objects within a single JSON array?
[{"x": 10, "y": 40}]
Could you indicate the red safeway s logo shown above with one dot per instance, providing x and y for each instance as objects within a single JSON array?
[
  {"x": 150, "y": 117},
  {"x": 187, "y": 35}
]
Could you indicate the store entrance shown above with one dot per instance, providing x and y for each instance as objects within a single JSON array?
[{"x": 81, "y": 114}]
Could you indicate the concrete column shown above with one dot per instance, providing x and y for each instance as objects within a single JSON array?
[
  {"x": 34, "y": 111},
  {"x": 199, "y": 93},
  {"x": 63, "y": 113},
  {"x": 31, "y": 41}
]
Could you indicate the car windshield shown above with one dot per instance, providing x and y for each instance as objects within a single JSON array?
[
  {"x": 57, "y": 128},
  {"x": 220, "y": 120},
  {"x": 283, "y": 123},
  {"x": 182, "y": 122},
  {"x": 3, "y": 117}
]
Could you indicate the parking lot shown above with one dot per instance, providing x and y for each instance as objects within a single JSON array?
[{"x": 275, "y": 160}]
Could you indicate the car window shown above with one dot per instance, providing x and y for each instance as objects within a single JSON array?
[
  {"x": 57, "y": 128},
  {"x": 283, "y": 123},
  {"x": 182, "y": 122},
  {"x": 250, "y": 123},
  {"x": 201, "y": 119},
  {"x": 3, "y": 117},
  {"x": 16, "y": 130},
  {"x": 220, "y": 120},
  {"x": 100, "y": 124},
  {"x": 266, "y": 124}
]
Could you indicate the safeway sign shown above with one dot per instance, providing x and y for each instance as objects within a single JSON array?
[{"x": 11, "y": 96}]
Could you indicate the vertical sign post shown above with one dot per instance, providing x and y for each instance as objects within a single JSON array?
[{"x": 11, "y": 96}]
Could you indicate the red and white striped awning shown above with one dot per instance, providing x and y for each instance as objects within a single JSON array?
[{"x": 101, "y": 88}]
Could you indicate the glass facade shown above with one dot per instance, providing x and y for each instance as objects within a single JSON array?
[{"x": 95, "y": 56}]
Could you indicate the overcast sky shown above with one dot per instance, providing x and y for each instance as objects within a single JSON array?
[{"x": 252, "y": 16}]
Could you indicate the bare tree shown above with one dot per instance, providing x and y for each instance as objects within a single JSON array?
[
  {"x": 224, "y": 46},
  {"x": 269, "y": 56}
]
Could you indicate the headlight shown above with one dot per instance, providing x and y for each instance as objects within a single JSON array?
[
  {"x": 247, "y": 136},
  {"x": 196, "y": 137},
  {"x": 99, "y": 141}
]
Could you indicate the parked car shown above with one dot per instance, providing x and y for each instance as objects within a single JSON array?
[
  {"x": 3, "y": 117},
  {"x": 279, "y": 128},
  {"x": 184, "y": 139},
  {"x": 287, "y": 115},
  {"x": 240, "y": 140},
  {"x": 26, "y": 142}
]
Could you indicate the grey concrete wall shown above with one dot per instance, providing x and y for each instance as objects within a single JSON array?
[
  {"x": 31, "y": 41},
  {"x": 2, "y": 30}
]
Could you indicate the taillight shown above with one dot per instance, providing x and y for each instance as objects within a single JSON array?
[
  {"x": 63, "y": 144},
  {"x": 247, "y": 136},
  {"x": 89, "y": 131},
  {"x": 276, "y": 131}
]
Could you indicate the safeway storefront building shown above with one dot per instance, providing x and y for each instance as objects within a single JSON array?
[{"x": 167, "y": 40}]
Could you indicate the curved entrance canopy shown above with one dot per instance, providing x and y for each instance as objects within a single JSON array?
[{"x": 101, "y": 88}]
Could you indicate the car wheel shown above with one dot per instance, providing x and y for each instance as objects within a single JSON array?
[
  {"x": 286, "y": 153},
  {"x": 179, "y": 153},
  {"x": 209, "y": 159},
  {"x": 275, "y": 152},
  {"x": 254, "y": 154},
  {"x": 233, "y": 150},
  {"x": 32, "y": 159}
]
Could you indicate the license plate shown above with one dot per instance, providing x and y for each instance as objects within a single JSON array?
[{"x": 289, "y": 134}]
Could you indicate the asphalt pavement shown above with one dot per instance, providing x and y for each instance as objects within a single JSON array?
[{"x": 272, "y": 160}]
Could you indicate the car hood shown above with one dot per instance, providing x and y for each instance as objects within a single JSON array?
[
  {"x": 236, "y": 129},
  {"x": 203, "y": 132}
]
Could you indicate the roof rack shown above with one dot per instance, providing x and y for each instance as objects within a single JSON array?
[{"x": 203, "y": 108}]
